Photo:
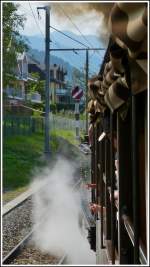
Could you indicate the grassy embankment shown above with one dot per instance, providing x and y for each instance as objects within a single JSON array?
[
  {"x": 71, "y": 115},
  {"x": 21, "y": 154},
  {"x": 67, "y": 135}
]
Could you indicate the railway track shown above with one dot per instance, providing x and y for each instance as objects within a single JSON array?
[
  {"x": 17, "y": 249},
  {"x": 19, "y": 254},
  {"x": 20, "y": 200},
  {"x": 24, "y": 251}
]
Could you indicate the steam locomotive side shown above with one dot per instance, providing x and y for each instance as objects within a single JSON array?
[{"x": 118, "y": 111}]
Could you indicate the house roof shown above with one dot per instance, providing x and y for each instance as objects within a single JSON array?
[{"x": 52, "y": 67}]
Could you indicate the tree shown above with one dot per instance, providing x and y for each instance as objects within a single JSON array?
[
  {"x": 78, "y": 78},
  {"x": 13, "y": 42},
  {"x": 36, "y": 85}
]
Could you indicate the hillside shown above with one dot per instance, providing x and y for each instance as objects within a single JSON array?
[{"x": 68, "y": 59}]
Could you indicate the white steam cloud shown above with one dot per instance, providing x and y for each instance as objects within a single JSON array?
[{"x": 61, "y": 230}]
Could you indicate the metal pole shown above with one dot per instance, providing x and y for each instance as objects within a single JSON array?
[
  {"x": 77, "y": 119},
  {"x": 47, "y": 84},
  {"x": 86, "y": 95}
]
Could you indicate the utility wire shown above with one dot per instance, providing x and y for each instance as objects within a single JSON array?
[
  {"x": 26, "y": 9},
  {"x": 77, "y": 28},
  {"x": 38, "y": 26},
  {"x": 58, "y": 46},
  {"x": 31, "y": 15},
  {"x": 69, "y": 37}
]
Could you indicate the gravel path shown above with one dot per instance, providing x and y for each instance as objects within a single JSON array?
[
  {"x": 16, "y": 225},
  {"x": 31, "y": 255}
]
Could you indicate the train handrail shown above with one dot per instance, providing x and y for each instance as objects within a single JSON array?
[{"x": 130, "y": 230}]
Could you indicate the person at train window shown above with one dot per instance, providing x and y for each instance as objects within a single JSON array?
[
  {"x": 93, "y": 185},
  {"x": 95, "y": 208},
  {"x": 88, "y": 186}
]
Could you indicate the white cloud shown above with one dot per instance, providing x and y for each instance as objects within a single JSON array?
[{"x": 31, "y": 27}]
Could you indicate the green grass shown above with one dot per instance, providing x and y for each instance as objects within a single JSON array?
[
  {"x": 8, "y": 196},
  {"x": 20, "y": 155},
  {"x": 67, "y": 135},
  {"x": 71, "y": 116}
]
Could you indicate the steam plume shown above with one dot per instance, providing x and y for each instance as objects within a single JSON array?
[{"x": 61, "y": 232}]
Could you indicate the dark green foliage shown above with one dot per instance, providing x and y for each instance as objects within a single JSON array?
[
  {"x": 36, "y": 86},
  {"x": 53, "y": 108},
  {"x": 64, "y": 106},
  {"x": 13, "y": 42}
]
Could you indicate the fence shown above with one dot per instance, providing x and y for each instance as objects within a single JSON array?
[
  {"x": 22, "y": 125},
  {"x": 58, "y": 122},
  {"x": 26, "y": 125}
]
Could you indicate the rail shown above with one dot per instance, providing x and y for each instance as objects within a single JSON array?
[
  {"x": 13, "y": 204},
  {"x": 18, "y": 248},
  {"x": 63, "y": 259}
]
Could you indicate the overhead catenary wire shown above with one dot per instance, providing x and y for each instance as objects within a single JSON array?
[
  {"x": 38, "y": 26},
  {"x": 58, "y": 46},
  {"x": 73, "y": 50},
  {"x": 69, "y": 37},
  {"x": 26, "y": 10},
  {"x": 33, "y": 15},
  {"x": 77, "y": 28}
]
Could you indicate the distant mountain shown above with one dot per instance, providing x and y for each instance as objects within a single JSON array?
[
  {"x": 76, "y": 58},
  {"x": 36, "y": 42}
]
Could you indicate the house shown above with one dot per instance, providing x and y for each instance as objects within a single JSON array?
[
  {"x": 58, "y": 91},
  {"x": 26, "y": 65},
  {"x": 16, "y": 89}
]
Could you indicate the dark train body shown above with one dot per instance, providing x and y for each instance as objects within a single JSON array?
[{"x": 118, "y": 135}]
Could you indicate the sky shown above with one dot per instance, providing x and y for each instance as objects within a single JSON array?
[
  {"x": 37, "y": 28},
  {"x": 35, "y": 25}
]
